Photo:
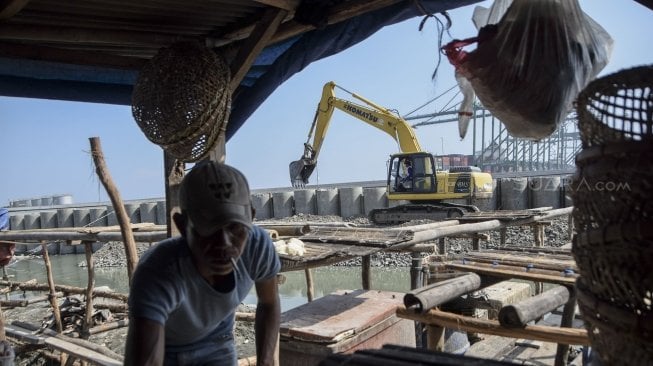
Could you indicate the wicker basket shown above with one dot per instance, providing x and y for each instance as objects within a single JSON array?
[
  {"x": 613, "y": 215},
  {"x": 182, "y": 101}
]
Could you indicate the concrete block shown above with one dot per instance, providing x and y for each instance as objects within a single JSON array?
[
  {"x": 32, "y": 221},
  {"x": 351, "y": 201},
  {"x": 373, "y": 198},
  {"x": 544, "y": 191},
  {"x": 514, "y": 193},
  {"x": 16, "y": 222},
  {"x": 305, "y": 201},
  {"x": 262, "y": 203},
  {"x": 282, "y": 204},
  {"x": 112, "y": 218},
  {"x": 65, "y": 217},
  {"x": 328, "y": 202},
  {"x": 133, "y": 212},
  {"x": 98, "y": 216},
  {"x": 501, "y": 294},
  {"x": 81, "y": 217},
  {"x": 48, "y": 219},
  {"x": 148, "y": 212},
  {"x": 161, "y": 213}
]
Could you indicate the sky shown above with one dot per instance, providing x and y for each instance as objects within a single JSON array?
[{"x": 45, "y": 143}]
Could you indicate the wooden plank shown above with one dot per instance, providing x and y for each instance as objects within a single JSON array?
[
  {"x": 523, "y": 260},
  {"x": 252, "y": 47},
  {"x": 81, "y": 352},
  {"x": 561, "y": 280},
  {"x": 485, "y": 326}
]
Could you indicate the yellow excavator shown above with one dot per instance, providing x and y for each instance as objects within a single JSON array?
[{"x": 412, "y": 175}]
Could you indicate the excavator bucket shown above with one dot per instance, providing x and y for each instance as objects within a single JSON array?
[{"x": 300, "y": 170}]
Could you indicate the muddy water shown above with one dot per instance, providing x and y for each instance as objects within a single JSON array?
[{"x": 66, "y": 271}]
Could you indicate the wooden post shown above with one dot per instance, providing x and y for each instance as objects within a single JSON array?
[
  {"x": 503, "y": 233},
  {"x": 174, "y": 173},
  {"x": 567, "y": 321},
  {"x": 90, "y": 270},
  {"x": 118, "y": 207},
  {"x": 53, "y": 292},
  {"x": 442, "y": 245},
  {"x": 415, "y": 270},
  {"x": 570, "y": 226},
  {"x": 476, "y": 243},
  {"x": 309, "y": 284},
  {"x": 435, "y": 338},
  {"x": 366, "y": 266}
]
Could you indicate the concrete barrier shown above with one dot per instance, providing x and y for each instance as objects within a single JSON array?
[
  {"x": 112, "y": 218},
  {"x": 161, "y": 213},
  {"x": 282, "y": 204},
  {"x": 133, "y": 212},
  {"x": 147, "y": 211},
  {"x": 17, "y": 222},
  {"x": 32, "y": 221},
  {"x": 98, "y": 216},
  {"x": 373, "y": 198},
  {"x": 81, "y": 217},
  {"x": 514, "y": 193},
  {"x": 305, "y": 202},
  {"x": 262, "y": 203},
  {"x": 544, "y": 191},
  {"x": 327, "y": 201},
  {"x": 65, "y": 217},
  {"x": 351, "y": 201}
]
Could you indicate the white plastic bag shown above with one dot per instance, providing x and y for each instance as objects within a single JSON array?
[{"x": 529, "y": 67}]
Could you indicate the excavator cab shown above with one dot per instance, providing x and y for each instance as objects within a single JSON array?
[
  {"x": 301, "y": 169},
  {"x": 412, "y": 173}
]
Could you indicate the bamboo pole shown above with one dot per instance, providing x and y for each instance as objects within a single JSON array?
[
  {"x": 31, "y": 285},
  {"x": 568, "y": 313},
  {"x": 118, "y": 207},
  {"x": 366, "y": 269},
  {"x": 485, "y": 326},
  {"x": 532, "y": 308},
  {"x": 53, "y": 293},
  {"x": 309, "y": 284},
  {"x": 90, "y": 270}
]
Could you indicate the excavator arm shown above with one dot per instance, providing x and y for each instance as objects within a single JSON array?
[{"x": 368, "y": 112}]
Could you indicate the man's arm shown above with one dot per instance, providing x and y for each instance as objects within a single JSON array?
[
  {"x": 145, "y": 343},
  {"x": 268, "y": 313}
]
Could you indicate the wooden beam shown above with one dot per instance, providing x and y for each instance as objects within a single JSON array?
[
  {"x": 288, "y": 5},
  {"x": 35, "y": 33},
  {"x": 289, "y": 29},
  {"x": 257, "y": 40},
  {"x": 87, "y": 58},
  {"x": 485, "y": 326},
  {"x": 9, "y": 8}
]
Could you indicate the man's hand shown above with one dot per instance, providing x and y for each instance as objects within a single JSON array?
[{"x": 268, "y": 313}]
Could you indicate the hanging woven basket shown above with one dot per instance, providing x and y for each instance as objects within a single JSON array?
[
  {"x": 612, "y": 192},
  {"x": 182, "y": 101}
]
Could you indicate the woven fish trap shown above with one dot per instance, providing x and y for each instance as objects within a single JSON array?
[
  {"x": 612, "y": 192},
  {"x": 182, "y": 100}
]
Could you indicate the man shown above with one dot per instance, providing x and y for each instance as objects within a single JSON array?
[{"x": 185, "y": 289}]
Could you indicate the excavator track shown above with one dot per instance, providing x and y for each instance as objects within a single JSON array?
[{"x": 408, "y": 212}]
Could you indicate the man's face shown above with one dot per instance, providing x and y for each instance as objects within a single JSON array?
[{"x": 214, "y": 254}]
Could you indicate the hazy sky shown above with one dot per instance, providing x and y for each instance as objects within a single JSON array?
[{"x": 45, "y": 143}]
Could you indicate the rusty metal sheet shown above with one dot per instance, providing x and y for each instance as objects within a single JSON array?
[
  {"x": 339, "y": 316},
  {"x": 358, "y": 236}
]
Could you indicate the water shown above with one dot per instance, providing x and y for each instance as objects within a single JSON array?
[{"x": 292, "y": 293}]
